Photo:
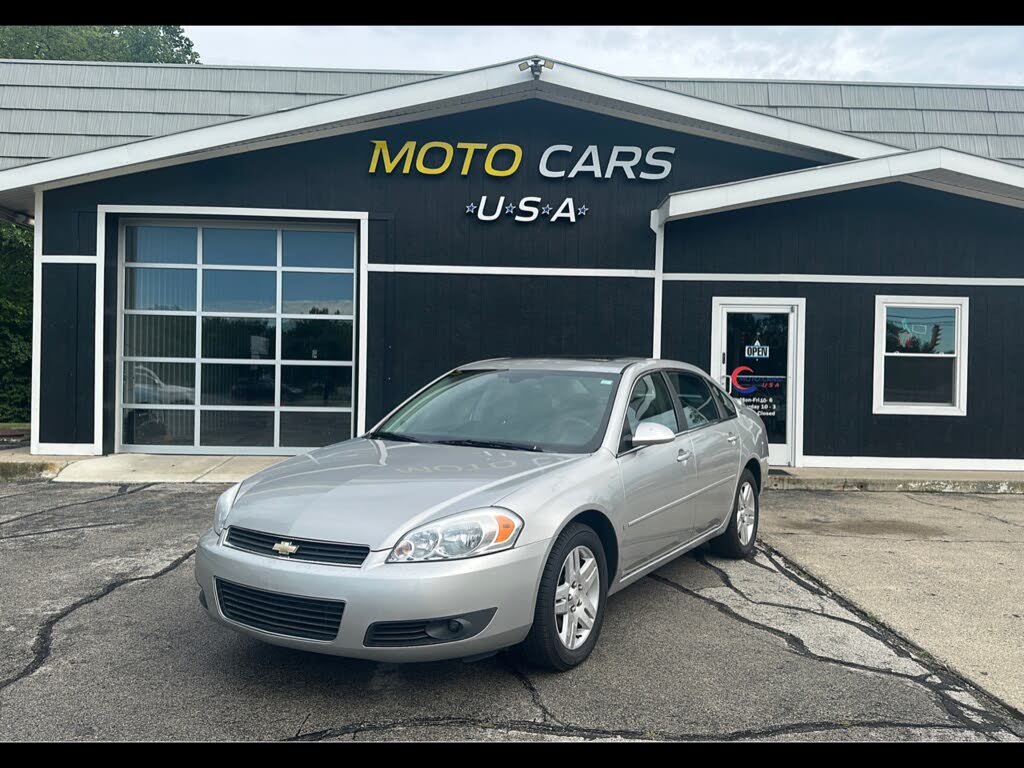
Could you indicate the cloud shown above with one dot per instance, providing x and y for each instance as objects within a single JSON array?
[{"x": 977, "y": 55}]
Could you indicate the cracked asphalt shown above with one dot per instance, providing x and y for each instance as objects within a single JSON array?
[{"x": 102, "y": 638}]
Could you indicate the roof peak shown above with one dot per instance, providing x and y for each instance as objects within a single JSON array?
[{"x": 440, "y": 73}]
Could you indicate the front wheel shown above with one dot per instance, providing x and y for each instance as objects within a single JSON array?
[
  {"x": 739, "y": 538},
  {"x": 570, "y": 602}
]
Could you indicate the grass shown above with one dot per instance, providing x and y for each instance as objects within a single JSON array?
[{"x": 12, "y": 425}]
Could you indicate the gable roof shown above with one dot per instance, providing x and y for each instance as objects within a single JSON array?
[
  {"x": 499, "y": 83},
  {"x": 939, "y": 168},
  {"x": 57, "y": 108}
]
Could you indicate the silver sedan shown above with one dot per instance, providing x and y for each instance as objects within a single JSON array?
[{"x": 498, "y": 506}]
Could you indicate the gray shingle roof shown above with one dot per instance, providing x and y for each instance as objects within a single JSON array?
[{"x": 52, "y": 109}]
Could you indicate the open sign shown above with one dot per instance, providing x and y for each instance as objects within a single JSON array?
[{"x": 756, "y": 350}]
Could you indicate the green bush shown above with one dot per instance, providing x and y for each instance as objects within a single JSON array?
[{"x": 15, "y": 323}]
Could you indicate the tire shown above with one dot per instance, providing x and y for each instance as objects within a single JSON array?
[
  {"x": 731, "y": 542},
  {"x": 544, "y": 646}
]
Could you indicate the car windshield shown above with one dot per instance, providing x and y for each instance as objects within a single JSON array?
[{"x": 537, "y": 410}]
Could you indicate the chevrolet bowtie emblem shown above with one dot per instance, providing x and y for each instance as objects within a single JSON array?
[{"x": 285, "y": 548}]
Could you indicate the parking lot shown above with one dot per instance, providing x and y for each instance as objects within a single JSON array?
[{"x": 102, "y": 638}]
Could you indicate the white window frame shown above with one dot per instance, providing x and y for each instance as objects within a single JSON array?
[
  {"x": 278, "y": 315},
  {"x": 960, "y": 305}
]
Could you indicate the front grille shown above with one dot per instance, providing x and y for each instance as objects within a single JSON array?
[
  {"x": 291, "y": 615},
  {"x": 308, "y": 550}
]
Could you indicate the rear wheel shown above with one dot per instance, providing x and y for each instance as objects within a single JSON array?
[
  {"x": 739, "y": 538},
  {"x": 570, "y": 602}
]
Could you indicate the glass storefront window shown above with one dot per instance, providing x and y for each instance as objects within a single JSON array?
[
  {"x": 316, "y": 339},
  {"x": 249, "y": 247},
  {"x": 248, "y": 338},
  {"x": 234, "y": 381},
  {"x": 161, "y": 245},
  {"x": 232, "y": 290},
  {"x": 311, "y": 293},
  {"x": 163, "y": 290},
  {"x": 330, "y": 250}
]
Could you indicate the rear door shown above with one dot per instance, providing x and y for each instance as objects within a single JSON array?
[
  {"x": 657, "y": 479},
  {"x": 716, "y": 447}
]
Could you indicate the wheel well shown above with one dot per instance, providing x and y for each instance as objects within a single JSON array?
[
  {"x": 605, "y": 531},
  {"x": 755, "y": 469}
]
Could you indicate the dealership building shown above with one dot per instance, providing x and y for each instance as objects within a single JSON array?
[{"x": 251, "y": 260}]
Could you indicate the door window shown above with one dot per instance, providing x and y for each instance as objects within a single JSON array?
[
  {"x": 757, "y": 364},
  {"x": 696, "y": 399},
  {"x": 650, "y": 401}
]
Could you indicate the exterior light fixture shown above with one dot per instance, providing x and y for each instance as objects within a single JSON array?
[{"x": 536, "y": 65}]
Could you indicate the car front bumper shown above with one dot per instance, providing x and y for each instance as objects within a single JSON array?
[{"x": 378, "y": 591}]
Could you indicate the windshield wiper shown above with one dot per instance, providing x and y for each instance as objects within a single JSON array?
[
  {"x": 491, "y": 444},
  {"x": 382, "y": 435}
]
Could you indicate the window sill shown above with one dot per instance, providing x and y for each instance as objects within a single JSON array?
[{"x": 919, "y": 409}]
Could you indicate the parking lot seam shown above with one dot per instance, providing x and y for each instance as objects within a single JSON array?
[
  {"x": 589, "y": 733},
  {"x": 42, "y": 645},
  {"x": 59, "y": 530},
  {"x": 123, "y": 490}
]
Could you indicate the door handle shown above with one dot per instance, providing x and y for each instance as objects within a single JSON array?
[
  {"x": 732, "y": 438},
  {"x": 683, "y": 456}
]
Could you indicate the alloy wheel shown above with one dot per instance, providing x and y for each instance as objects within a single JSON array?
[{"x": 577, "y": 595}]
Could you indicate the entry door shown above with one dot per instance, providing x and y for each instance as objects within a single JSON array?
[{"x": 757, "y": 351}]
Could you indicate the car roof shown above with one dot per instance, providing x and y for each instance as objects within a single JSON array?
[{"x": 571, "y": 363}]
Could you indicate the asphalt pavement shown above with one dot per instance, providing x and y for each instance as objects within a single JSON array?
[{"x": 102, "y": 638}]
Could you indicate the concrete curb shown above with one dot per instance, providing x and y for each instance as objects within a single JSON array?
[
  {"x": 793, "y": 483},
  {"x": 30, "y": 470}
]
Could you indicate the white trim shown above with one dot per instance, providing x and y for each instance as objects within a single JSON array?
[
  {"x": 899, "y": 462},
  {"x": 363, "y": 278},
  {"x": 961, "y": 306},
  {"x": 320, "y": 119},
  {"x": 453, "y": 269},
  {"x": 37, "y": 321},
  {"x": 64, "y": 449},
  {"x": 68, "y": 259},
  {"x": 793, "y": 277},
  {"x": 224, "y": 212},
  {"x": 97, "y": 417},
  {"x": 798, "y": 327},
  {"x": 826, "y": 179},
  {"x": 659, "y": 286}
]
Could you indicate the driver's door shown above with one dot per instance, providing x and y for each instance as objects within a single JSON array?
[{"x": 656, "y": 479}]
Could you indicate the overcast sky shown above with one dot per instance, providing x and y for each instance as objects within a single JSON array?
[{"x": 979, "y": 55}]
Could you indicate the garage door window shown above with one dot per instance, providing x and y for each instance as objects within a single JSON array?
[
  {"x": 920, "y": 355},
  {"x": 235, "y": 337}
]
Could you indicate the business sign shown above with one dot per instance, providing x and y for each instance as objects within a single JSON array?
[
  {"x": 756, "y": 350},
  {"x": 435, "y": 158}
]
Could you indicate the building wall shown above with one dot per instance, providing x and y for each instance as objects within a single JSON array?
[
  {"x": 420, "y": 219},
  {"x": 891, "y": 230}
]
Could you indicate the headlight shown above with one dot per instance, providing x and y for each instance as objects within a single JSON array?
[
  {"x": 224, "y": 504},
  {"x": 466, "y": 534}
]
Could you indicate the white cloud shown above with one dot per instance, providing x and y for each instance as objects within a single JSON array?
[{"x": 985, "y": 55}]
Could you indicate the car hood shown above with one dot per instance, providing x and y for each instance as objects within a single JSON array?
[{"x": 370, "y": 492}]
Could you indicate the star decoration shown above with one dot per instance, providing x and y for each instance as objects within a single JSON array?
[
  {"x": 471, "y": 208},
  {"x": 582, "y": 210},
  {"x": 510, "y": 208},
  {"x": 546, "y": 210}
]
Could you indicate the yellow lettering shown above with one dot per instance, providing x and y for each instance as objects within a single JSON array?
[
  {"x": 380, "y": 151},
  {"x": 489, "y": 163},
  {"x": 470, "y": 148},
  {"x": 448, "y": 152}
]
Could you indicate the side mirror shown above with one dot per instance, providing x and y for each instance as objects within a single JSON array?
[{"x": 651, "y": 433}]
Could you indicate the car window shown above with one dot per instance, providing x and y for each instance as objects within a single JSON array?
[
  {"x": 650, "y": 401},
  {"x": 559, "y": 411},
  {"x": 725, "y": 403},
  {"x": 695, "y": 397}
]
